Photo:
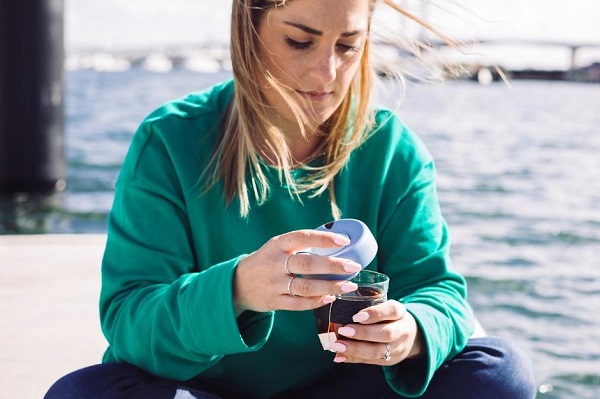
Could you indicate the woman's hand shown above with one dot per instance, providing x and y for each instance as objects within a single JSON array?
[
  {"x": 386, "y": 335},
  {"x": 266, "y": 279}
]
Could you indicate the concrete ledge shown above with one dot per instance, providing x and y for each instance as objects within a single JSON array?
[{"x": 49, "y": 287}]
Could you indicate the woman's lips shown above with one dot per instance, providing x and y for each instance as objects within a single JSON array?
[{"x": 315, "y": 95}]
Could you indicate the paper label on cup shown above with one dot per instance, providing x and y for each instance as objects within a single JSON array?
[{"x": 327, "y": 339}]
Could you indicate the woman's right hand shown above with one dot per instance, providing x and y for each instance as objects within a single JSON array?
[{"x": 266, "y": 279}]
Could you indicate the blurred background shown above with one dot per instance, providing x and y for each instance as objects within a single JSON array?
[
  {"x": 534, "y": 33},
  {"x": 518, "y": 163}
]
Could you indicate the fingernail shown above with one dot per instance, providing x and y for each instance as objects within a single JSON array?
[
  {"x": 328, "y": 299},
  {"x": 360, "y": 317},
  {"x": 337, "y": 347},
  {"x": 341, "y": 240},
  {"x": 339, "y": 359},
  {"x": 348, "y": 287},
  {"x": 352, "y": 267},
  {"x": 347, "y": 331}
]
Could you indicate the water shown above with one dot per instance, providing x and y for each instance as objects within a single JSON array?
[{"x": 519, "y": 182}]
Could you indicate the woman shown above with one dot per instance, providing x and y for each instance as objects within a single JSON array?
[{"x": 219, "y": 192}]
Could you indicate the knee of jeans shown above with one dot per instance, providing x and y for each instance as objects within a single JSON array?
[
  {"x": 515, "y": 368},
  {"x": 64, "y": 388},
  {"x": 94, "y": 381}
]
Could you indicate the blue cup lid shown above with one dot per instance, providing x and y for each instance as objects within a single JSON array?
[{"x": 362, "y": 248}]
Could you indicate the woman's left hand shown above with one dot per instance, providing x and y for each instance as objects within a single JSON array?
[{"x": 384, "y": 334}]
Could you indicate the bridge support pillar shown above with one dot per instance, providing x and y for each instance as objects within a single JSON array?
[{"x": 573, "y": 57}]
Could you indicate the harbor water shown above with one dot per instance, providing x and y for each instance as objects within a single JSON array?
[{"x": 518, "y": 178}]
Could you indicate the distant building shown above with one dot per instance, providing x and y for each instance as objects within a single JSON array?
[{"x": 590, "y": 73}]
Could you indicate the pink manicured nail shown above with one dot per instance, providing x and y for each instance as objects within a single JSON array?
[
  {"x": 352, "y": 267},
  {"x": 347, "y": 331},
  {"x": 360, "y": 317},
  {"x": 341, "y": 240},
  {"x": 337, "y": 347},
  {"x": 339, "y": 359},
  {"x": 328, "y": 299},
  {"x": 348, "y": 287}
]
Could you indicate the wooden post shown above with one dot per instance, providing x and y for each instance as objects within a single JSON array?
[{"x": 31, "y": 96}]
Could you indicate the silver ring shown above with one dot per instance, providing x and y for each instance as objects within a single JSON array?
[
  {"x": 289, "y": 287},
  {"x": 388, "y": 353},
  {"x": 287, "y": 270}
]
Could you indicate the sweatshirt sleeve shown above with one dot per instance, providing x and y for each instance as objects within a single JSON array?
[
  {"x": 158, "y": 310},
  {"x": 414, "y": 252}
]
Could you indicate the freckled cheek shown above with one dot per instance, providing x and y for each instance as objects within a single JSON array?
[
  {"x": 284, "y": 70},
  {"x": 346, "y": 73},
  {"x": 295, "y": 67}
]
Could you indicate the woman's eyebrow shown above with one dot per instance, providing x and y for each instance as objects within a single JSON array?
[{"x": 316, "y": 32}]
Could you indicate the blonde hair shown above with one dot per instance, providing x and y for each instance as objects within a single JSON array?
[{"x": 236, "y": 160}]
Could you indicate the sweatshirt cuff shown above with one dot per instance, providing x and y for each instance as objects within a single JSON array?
[
  {"x": 215, "y": 328},
  {"x": 412, "y": 376}
]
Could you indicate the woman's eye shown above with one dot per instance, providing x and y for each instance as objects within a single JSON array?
[
  {"x": 345, "y": 48},
  {"x": 297, "y": 45}
]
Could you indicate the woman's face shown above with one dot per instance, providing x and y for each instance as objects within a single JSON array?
[{"x": 314, "y": 48}]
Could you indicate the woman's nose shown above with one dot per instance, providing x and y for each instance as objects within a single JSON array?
[{"x": 324, "y": 67}]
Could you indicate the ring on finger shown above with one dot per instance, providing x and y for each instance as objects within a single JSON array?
[
  {"x": 388, "y": 353},
  {"x": 287, "y": 266},
  {"x": 289, "y": 287}
]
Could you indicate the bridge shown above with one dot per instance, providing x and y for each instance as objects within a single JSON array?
[
  {"x": 427, "y": 43},
  {"x": 206, "y": 57},
  {"x": 573, "y": 47}
]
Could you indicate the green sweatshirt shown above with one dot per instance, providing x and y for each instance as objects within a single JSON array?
[{"x": 167, "y": 304}]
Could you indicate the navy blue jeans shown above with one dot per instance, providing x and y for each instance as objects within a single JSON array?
[{"x": 491, "y": 368}]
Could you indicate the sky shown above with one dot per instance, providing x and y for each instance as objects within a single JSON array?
[{"x": 115, "y": 25}]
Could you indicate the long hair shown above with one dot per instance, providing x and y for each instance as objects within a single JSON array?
[{"x": 236, "y": 160}]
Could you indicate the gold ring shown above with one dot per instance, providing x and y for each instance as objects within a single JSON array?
[
  {"x": 287, "y": 266},
  {"x": 388, "y": 353},
  {"x": 289, "y": 287}
]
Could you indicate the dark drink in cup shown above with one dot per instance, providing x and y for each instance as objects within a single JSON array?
[{"x": 372, "y": 290}]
